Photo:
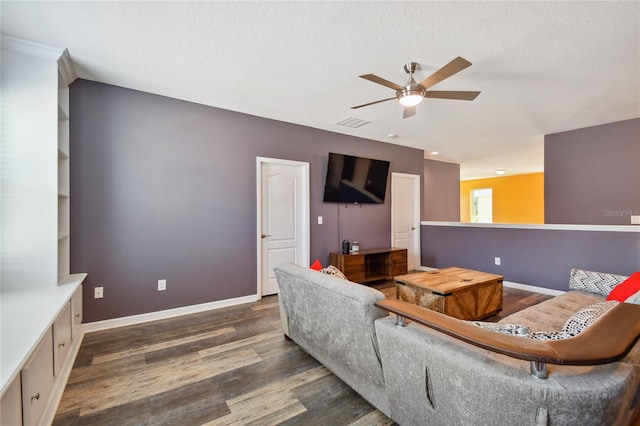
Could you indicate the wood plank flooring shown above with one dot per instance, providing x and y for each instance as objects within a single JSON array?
[{"x": 222, "y": 367}]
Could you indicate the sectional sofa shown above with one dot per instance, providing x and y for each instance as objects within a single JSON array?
[{"x": 443, "y": 371}]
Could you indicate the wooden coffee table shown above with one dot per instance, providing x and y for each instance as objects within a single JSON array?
[{"x": 457, "y": 292}]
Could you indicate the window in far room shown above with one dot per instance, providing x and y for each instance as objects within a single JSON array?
[{"x": 481, "y": 205}]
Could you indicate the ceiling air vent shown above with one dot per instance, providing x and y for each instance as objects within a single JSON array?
[{"x": 354, "y": 123}]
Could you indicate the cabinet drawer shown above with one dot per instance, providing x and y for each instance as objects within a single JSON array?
[
  {"x": 354, "y": 267},
  {"x": 37, "y": 380},
  {"x": 76, "y": 313},
  {"x": 398, "y": 262},
  {"x": 353, "y": 264},
  {"x": 399, "y": 255},
  {"x": 11, "y": 404},
  {"x": 61, "y": 338}
]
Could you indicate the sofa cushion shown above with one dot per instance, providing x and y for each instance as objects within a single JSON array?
[
  {"x": 511, "y": 329},
  {"x": 316, "y": 266},
  {"x": 594, "y": 282},
  {"x": 587, "y": 316},
  {"x": 551, "y": 314},
  {"x": 626, "y": 289},
  {"x": 332, "y": 270},
  {"x": 549, "y": 335},
  {"x": 522, "y": 331},
  {"x": 635, "y": 299}
]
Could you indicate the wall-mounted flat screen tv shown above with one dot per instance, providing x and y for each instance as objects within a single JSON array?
[{"x": 353, "y": 179}]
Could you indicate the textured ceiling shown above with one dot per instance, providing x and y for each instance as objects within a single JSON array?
[{"x": 542, "y": 67}]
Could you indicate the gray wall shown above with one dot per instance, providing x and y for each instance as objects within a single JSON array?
[
  {"x": 163, "y": 188},
  {"x": 591, "y": 174},
  {"x": 441, "y": 191},
  {"x": 536, "y": 257}
]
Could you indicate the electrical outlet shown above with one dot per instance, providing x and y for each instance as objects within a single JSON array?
[
  {"x": 98, "y": 292},
  {"x": 497, "y": 261},
  {"x": 635, "y": 220},
  {"x": 162, "y": 285},
  {"x": 319, "y": 220}
]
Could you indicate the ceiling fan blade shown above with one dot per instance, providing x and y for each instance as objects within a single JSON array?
[
  {"x": 455, "y": 66},
  {"x": 380, "y": 80},
  {"x": 409, "y": 112},
  {"x": 452, "y": 94},
  {"x": 372, "y": 103}
]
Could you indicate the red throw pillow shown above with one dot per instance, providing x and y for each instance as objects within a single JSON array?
[
  {"x": 626, "y": 288},
  {"x": 316, "y": 265}
]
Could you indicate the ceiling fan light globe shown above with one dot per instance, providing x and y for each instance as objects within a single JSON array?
[{"x": 409, "y": 98}]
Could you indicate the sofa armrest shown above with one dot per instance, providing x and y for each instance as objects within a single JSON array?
[{"x": 607, "y": 340}]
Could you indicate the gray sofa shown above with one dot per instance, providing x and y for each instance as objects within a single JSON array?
[{"x": 420, "y": 376}]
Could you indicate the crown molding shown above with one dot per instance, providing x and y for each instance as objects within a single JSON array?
[
  {"x": 66, "y": 68},
  {"x": 31, "y": 47},
  {"x": 41, "y": 50}
]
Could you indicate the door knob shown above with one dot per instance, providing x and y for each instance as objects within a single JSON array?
[
  {"x": 265, "y": 235},
  {"x": 413, "y": 228}
]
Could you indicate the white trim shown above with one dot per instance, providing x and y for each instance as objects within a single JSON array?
[
  {"x": 66, "y": 68},
  {"x": 168, "y": 313},
  {"x": 426, "y": 268},
  {"x": 533, "y": 288},
  {"x": 416, "y": 213},
  {"x": 59, "y": 54},
  {"x": 32, "y": 47},
  {"x": 306, "y": 214},
  {"x": 550, "y": 227}
]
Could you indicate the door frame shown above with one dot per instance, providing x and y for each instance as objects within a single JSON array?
[
  {"x": 305, "y": 243},
  {"x": 416, "y": 214}
]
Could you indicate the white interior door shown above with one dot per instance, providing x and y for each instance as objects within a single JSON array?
[
  {"x": 405, "y": 216},
  {"x": 283, "y": 218}
]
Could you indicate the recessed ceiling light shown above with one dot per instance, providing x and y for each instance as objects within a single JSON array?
[
  {"x": 392, "y": 135},
  {"x": 434, "y": 153},
  {"x": 500, "y": 172}
]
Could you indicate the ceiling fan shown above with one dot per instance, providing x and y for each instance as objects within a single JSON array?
[{"x": 412, "y": 93}]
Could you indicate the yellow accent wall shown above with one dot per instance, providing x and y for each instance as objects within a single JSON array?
[{"x": 516, "y": 199}]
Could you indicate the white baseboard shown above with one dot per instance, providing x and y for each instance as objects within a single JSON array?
[
  {"x": 533, "y": 288},
  {"x": 426, "y": 268},
  {"x": 525, "y": 287},
  {"x": 168, "y": 313}
]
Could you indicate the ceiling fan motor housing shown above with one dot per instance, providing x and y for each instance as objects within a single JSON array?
[{"x": 412, "y": 93}]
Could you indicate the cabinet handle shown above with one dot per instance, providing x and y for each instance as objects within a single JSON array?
[
  {"x": 77, "y": 315},
  {"x": 61, "y": 345},
  {"x": 36, "y": 396}
]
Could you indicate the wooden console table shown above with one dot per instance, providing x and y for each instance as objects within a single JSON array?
[{"x": 371, "y": 265}]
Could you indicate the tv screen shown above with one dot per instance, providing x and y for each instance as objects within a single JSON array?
[{"x": 355, "y": 179}]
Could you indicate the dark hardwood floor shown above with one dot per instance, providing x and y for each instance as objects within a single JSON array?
[{"x": 222, "y": 367}]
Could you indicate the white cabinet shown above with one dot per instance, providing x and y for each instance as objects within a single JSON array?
[
  {"x": 30, "y": 396},
  {"x": 11, "y": 404},
  {"x": 76, "y": 313},
  {"x": 61, "y": 339},
  {"x": 37, "y": 381}
]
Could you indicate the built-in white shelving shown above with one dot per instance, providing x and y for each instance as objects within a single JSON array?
[
  {"x": 40, "y": 299},
  {"x": 64, "y": 202}
]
